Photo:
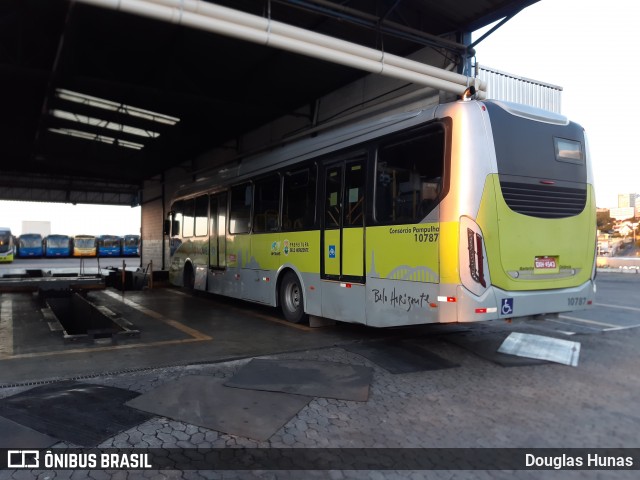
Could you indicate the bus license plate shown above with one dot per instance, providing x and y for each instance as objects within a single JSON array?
[{"x": 545, "y": 264}]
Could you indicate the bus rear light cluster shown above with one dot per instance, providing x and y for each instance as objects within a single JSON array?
[
  {"x": 476, "y": 265},
  {"x": 345, "y": 285},
  {"x": 473, "y": 257}
]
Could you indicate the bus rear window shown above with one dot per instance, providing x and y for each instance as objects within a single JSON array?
[{"x": 568, "y": 151}]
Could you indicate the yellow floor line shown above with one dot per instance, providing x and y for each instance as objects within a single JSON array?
[
  {"x": 158, "y": 316},
  {"x": 6, "y": 333},
  {"x": 629, "y": 327},
  {"x": 592, "y": 322},
  {"x": 304, "y": 328},
  {"x": 99, "y": 349},
  {"x": 621, "y": 307},
  {"x": 553, "y": 320}
]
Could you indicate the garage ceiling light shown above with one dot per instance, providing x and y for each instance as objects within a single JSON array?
[
  {"x": 96, "y": 138},
  {"x": 105, "y": 104},
  {"x": 123, "y": 110},
  {"x": 98, "y": 122}
]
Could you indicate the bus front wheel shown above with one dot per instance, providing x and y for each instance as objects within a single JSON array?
[{"x": 291, "y": 298}]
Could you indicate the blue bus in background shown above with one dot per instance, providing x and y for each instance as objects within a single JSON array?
[
  {"x": 109, "y": 246},
  {"x": 131, "y": 246},
  {"x": 30, "y": 245},
  {"x": 57, "y": 246}
]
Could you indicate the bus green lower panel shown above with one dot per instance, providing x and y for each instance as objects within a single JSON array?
[{"x": 516, "y": 244}]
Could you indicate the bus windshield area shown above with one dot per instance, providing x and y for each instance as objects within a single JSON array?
[
  {"x": 85, "y": 242},
  {"x": 57, "y": 242},
  {"x": 30, "y": 242},
  {"x": 5, "y": 242},
  {"x": 131, "y": 241},
  {"x": 111, "y": 242}
]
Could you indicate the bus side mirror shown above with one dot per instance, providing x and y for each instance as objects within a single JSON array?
[{"x": 166, "y": 229}]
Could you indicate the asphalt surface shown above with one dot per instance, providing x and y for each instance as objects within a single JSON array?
[{"x": 479, "y": 401}]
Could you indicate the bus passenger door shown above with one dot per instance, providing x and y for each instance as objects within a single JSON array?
[
  {"x": 343, "y": 221},
  {"x": 218, "y": 234},
  {"x": 217, "y": 240}
]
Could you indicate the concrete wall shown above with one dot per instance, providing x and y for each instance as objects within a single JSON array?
[
  {"x": 152, "y": 241},
  {"x": 152, "y": 221},
  {"x": 156, "y": 202}
]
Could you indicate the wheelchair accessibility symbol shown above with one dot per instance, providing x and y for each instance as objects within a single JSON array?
[
  {"x": 506, "y": 306},
  {"x": 332, "y": 251}
]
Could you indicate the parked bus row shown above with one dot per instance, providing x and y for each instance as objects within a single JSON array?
[{"x": 33, "y": 245}]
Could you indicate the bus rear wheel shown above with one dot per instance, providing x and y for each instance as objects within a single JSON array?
[
  {"x": 291, "y": 298},
  {"x": 189, "y": 278}
]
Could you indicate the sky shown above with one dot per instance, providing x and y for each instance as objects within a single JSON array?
[
  {"x": 588, "y": 47},
  {"x": 68, "y": 219}
]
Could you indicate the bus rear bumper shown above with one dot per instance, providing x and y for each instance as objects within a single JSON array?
[{"x": 496, "y": 303}]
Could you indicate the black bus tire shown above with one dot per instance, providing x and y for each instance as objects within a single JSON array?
[
  {"x": 189, "y": 277},
  {"x": 292, "y": 298}
]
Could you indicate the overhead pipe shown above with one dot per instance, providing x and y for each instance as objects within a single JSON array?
[
  {"x": 233, "y": 23},
  {"x": 275, "y": 27}
]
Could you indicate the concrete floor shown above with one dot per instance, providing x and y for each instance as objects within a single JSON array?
[
  {"x": 477, "y": 404},
  {"x": 176, "y": 328}
]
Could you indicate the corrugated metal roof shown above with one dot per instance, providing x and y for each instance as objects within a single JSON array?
[{"x": 514, "y": 88}]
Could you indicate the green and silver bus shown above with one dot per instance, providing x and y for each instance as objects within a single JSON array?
[
  {"x": 7, "y": 249},
  {"x": 460, "y": 212}
]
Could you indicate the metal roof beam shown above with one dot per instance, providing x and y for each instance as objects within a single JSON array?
[{"x": 373, "y": 22}]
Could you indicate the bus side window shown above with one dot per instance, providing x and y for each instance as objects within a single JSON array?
[
  {"x": 188, "y": 218},
  {"x": 333, "y": 197},
  {"x": 176, "y": 219},
  {"x": 201, "y": 216},
  {"x": 176, "y": 224},
  {"x": 298, "y": 204},
  {"x": 240, "y": 208},
  {"x": 429, "y": 196},
  {"x": 409, "y": 171},
  {"x": 266, "y": 217},
  {"x": 354, "y": 201}
]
